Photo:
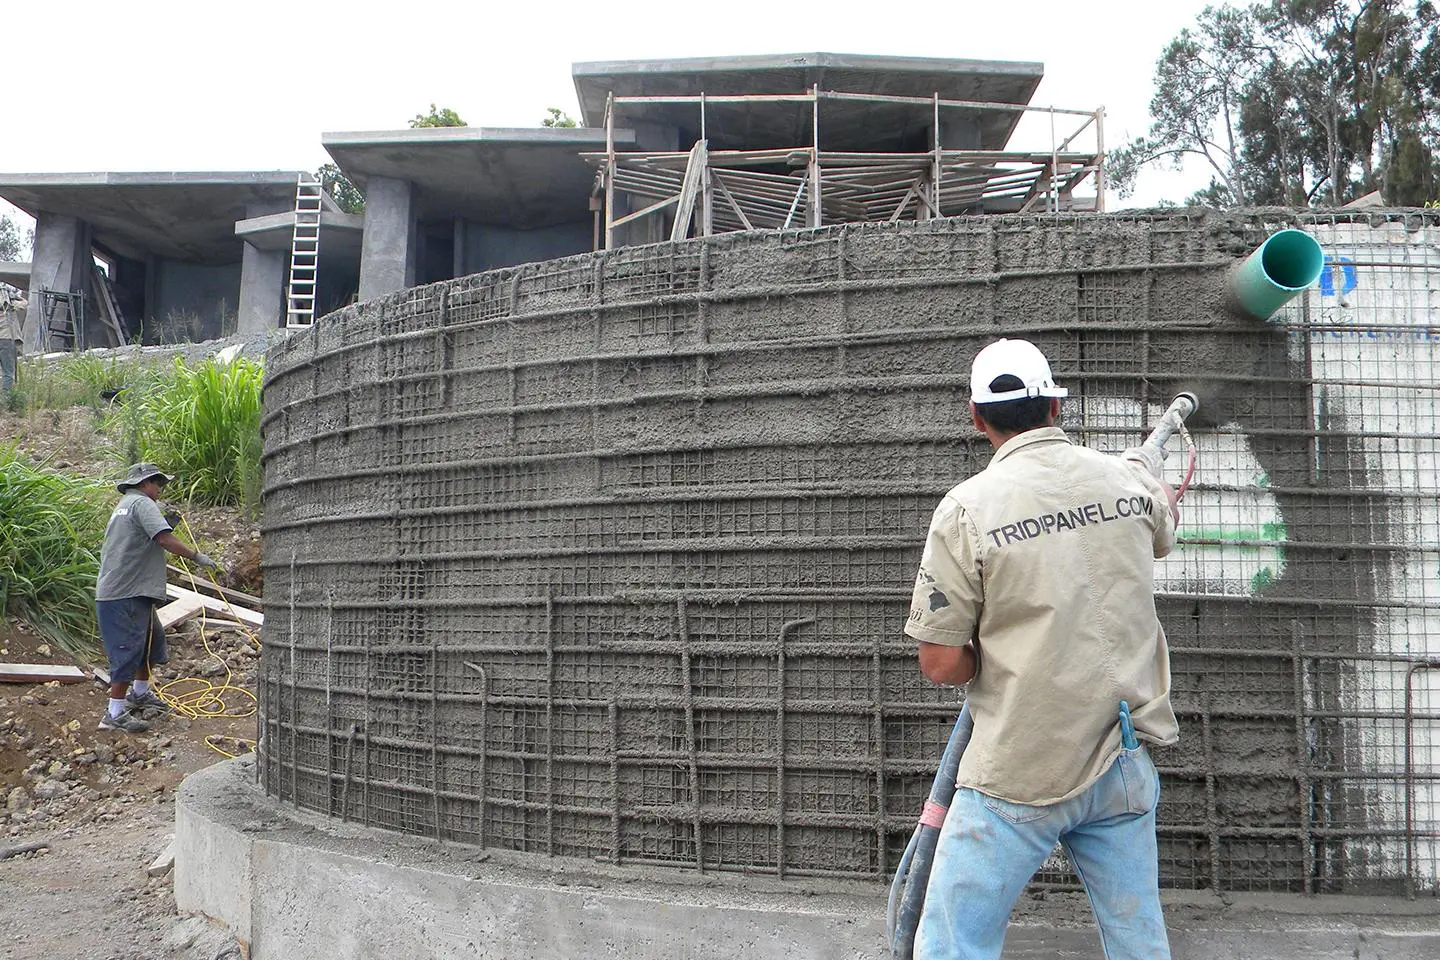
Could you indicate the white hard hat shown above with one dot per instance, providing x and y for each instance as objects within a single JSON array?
[{"x": 1017, "y": 358}]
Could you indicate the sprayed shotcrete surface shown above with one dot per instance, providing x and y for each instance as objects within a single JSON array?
[{"x": 609, "y": 556}]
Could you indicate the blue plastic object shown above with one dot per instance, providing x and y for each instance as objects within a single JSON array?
[{"x": 1127, "y": 727}]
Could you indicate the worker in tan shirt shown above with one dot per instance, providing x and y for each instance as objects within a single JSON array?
[
  {"x": 1037, "y": 589},
  {"x": 12, "y": 316}
]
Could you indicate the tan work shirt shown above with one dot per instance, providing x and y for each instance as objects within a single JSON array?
[
  {"x": 1046, "y": 559},
  {"x": 12, "y": 318}
]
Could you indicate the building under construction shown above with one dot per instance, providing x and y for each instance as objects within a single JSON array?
[
  {"x": 666, "y": 150},
  {"x": 590, "y": 530}
]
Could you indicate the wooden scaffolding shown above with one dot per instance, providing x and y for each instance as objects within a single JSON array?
[{"x": 705, "y": 191}]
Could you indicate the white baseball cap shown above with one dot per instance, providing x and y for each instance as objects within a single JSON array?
[{"x": 1017, "y": 358}]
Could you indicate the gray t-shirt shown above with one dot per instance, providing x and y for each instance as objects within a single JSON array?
[{"x": 132, "y": 564}]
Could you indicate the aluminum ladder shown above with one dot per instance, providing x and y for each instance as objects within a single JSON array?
[{"x": 304, "y": 253}]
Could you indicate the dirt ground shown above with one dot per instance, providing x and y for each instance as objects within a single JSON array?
[{"x": 104, "y": 801}]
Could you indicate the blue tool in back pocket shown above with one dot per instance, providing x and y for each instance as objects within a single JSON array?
[{"x": 1127, "y": 727}]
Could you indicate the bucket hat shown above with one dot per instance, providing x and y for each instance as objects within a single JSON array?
[{"x": 139, "y": 473}]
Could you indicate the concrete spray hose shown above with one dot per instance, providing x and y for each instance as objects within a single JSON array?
[{"x": 1286, "y": 264}]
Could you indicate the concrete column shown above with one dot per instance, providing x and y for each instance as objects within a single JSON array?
[
  {"x": 389, "y": 247},
  {"x": 61, "y": 261},
  {"x": 262, "y": 290},
  {"x": 457, "y": 257}
]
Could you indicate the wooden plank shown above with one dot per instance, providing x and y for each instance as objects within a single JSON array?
[
  {"x": 29, "y": 846},
  {"x": 733, "y": 98},
  {"x": 966, "y": 104},
  {"x": 609, "y": 171},
  {"x": 177, "y": 612},
  {"x": 646, "y": 211},
  {"x": 228, "y": 593},
  {"x": 244, "y": 615},
  {"x": 40, "y": 673},
  {"x": 694, "y": 173},
  {"x": 725, "y": 192},
  {"x": 905, "y": 201}
]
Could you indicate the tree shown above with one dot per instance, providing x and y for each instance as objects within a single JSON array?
[
  {"x": 558, "y": 118},
  {"x": 443, "y": 117},
  {"x": 10, "y": 245},
  {"x": 1199, "y": 83},
  {"x": 1300, "y": 102},
  {"x": 333, "y": 181}
]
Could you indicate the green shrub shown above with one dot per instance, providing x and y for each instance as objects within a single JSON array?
[
  {"x": 51, "y": 529},
  {"x": 202, "y": 425}
]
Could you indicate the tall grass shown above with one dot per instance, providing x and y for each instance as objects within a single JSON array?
[
  {"x": 202, "y": 425},
  {"x": 76, "y": 381},
  {"x": 51, "y": 529}
]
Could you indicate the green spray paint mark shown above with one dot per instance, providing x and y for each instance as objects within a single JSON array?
[
  {"x": 1264, "y": 578},
  {"x": 1264, "y": 537}
]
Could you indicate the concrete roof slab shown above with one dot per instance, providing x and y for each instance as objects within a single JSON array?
[
  {"x": 521, "y": 177},
  {"x": 340, "y": 233},
  {"x": 844, "y": 125},
  {"x": 184, "y": 216},
  {"x": 15, "y": 273}
]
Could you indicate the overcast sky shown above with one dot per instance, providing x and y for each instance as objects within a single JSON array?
[{"x": 251, "y": 85}]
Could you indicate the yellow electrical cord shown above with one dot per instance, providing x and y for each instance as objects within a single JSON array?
[{"x": 197, "y": 698}]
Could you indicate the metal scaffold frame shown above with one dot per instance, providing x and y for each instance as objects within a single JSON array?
[{"x": 710, "y": 191}]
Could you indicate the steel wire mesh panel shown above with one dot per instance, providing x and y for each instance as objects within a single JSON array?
[{"x": 609, "y": 556}]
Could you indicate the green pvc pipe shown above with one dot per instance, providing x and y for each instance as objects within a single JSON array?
[{"x": 1279, "y": 270}]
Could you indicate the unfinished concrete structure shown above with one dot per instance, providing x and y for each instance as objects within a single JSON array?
[
  {"x": 449, "y": 201},
  {"x": 170, "y": 245},
  {"x": 674, "y": 148},
  {"x": 671, "y": 148},
  {"x": 607, "y": 557}
]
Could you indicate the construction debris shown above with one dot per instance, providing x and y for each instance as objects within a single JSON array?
[
  {"x": 29, "y": 846},
  {"x": 229, "y": 610},
  {"x": 165, "y": 862},
  {"x": 39, "y": 673}
]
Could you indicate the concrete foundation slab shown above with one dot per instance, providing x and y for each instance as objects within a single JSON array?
[{"x": 294, "y": 885}]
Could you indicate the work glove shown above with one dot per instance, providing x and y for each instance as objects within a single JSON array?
[
  {"x": 1148, "y": 457},
  {"x": 172, "y": 517},
  {"x": 204, "y": 560}
]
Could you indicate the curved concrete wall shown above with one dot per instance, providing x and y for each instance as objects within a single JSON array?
[{"x": 609, "y": 556}]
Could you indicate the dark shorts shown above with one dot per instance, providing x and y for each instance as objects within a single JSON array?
[{"x": 131, "y": 632}]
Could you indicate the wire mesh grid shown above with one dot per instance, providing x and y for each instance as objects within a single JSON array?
[{"x": 608, "y": 556}]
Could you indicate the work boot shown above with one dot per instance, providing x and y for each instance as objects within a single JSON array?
[
  {"x": 126, "y": 721},
  {"x": 147, "y": 705}
]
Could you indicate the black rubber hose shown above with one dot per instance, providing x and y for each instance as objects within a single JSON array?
[{"x": 914, "y": 873}]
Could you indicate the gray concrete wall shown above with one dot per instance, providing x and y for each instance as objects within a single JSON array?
[
  {"x": 262, "y": 290},
  {"x": 957, "y": 132},
  {"x": 643, "y": 463},
  {"x": 490, "y": 247},
  {"x": 388, "y": 252},
  {"x": 193, "y": 301}
]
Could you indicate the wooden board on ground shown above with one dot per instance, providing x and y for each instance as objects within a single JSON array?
[
  {"x": 246, "y": 616},
  {"x": 177, "y": 612},
  {"x": 205, "y": 586},
  {"x": 39, "y": 673}
]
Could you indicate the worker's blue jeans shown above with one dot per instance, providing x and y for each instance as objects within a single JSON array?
[{"x": 990, "y": 848}]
